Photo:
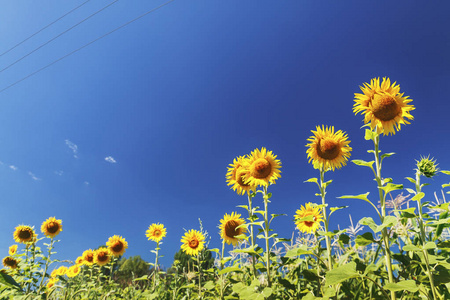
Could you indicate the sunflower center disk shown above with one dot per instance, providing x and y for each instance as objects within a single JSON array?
[
  {"x": 193, "y": 243},
  {"x": 230, "y": 229},
  {"x": 117, "y": 247},
  {"x": 240, "y": 177},
  {"x": 157, "y": 233},
  {"x": 52, "y": 227},
  {"x": 102, "y": 257},
  {"x": 90, "y": 258},
  {"x": 327, "y": 149},
  {"x": 262, "y": 168},
  {"x": 385, "y": 108},
  {"x": 24, "y": 234}
]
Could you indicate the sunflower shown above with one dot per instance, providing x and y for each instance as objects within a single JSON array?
[
  {"x": 24, "y": 234},
  {"x": 88, "y": 257},
  {"x": 51, "y": 227},
  {"x": 12, "y": 249},
  {"x": 309, "y": 210},
  {"x": 102, "y": 256},
  {"x": 228, "y": 228},
  {"x": 54, "y": 273},
  {"x": 10, "y": 262},
  {"x": 383, "y": 106},
  {"x": 117, "y": 245},
  {"x": 156, "y": 232},
  {"x": 263, "y": 168},
  {"x": 61, "y": 271},
  {"x": 79, "y": 261},
  {"x": 328, "y": 149},
  {"x": 193, "y": 242},
  {"x": 236, "y": 174},
  {"x": 51, "y": 282},
  {"x": 73, "y": 271}
]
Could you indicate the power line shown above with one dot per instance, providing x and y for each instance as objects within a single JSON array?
[
  {"x": 62, "y": 33},
  {"x": 43, "y": 28},
  {"x": 84, "y": 46}
]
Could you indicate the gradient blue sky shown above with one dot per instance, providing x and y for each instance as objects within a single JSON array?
[{"x": 176, "y": 95}]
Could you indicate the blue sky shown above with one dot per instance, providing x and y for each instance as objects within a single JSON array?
[{"x": 176, "y": 95}]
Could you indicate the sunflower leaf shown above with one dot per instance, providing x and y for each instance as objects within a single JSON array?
[
  {"x": 369, "y": 135},
  {"x": 445, "y": 172},
  {"x": 445, "y": 185},
  {"x": 418, "y": 197},
  {"x": 314, "y": 179},
  {"x": 360, "y": 162},
  {"x": 389, "y": 187},
  {"x": 405, "y": 285},
  {"x": 411, "y": 180},
  {"x": 341, "y": 273},
  {"x": 387, "y": 155},
  {"x": 365, "y": 239}
]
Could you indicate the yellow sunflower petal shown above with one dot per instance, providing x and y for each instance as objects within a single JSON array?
[
  {"x": 228, "y": 228},
  {"x": 236, "y": 176},
  {"x": 117, "y": 245},
  {"x": 193, "y": 242},
  {"x": 156, "y": 232},
  {"x": 263, "y": 168},
  {"x": 308, "y": 226},
  {"x": 51, "y": 227}
]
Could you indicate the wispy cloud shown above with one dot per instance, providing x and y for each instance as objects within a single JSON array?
[
  {"x": 33, "y": 176},
  {"x": 86, "y": 183},
  {"x": 110, "y": 159},
  {"x": 14, "y": 168},
  {"x": 59, "y": 173},
  {"x": 72, "y": 147}
]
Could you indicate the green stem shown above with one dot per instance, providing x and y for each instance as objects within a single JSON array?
[
  {"x": 384, "y": 233},
  {"x": 50, "y": 247},
  {"x": 199, "y": 277},
  {"x": 252, "y": 235},
  {"x": 266, "y": 233},
  {"x": 222, "y": 282},
  {"x": 325, "y": 216},
  {"x": 424, "y": 236},
  {"x": 155, "y": 271}
]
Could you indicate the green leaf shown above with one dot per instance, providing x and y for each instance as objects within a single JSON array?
[
  {"x": 406, "y": 285},
  {"x": 411, "y": 247},
  {"x": 302, "y": 249},
  {"x": 429, "y": 245},
  {"x": 314, "y": 179},
  {"x": 345, "y": 239},
  {"x": 341, "y": 273},
  {"x": 369, "y": 135},
  {"x": 389, "y": 187},
  {"x": 387, "y": 155},
  {"x": 362, "y": 197},
  {"x": 209, "y": 285},
  {"x": 445, "y": 185},
  {"x": 369, "y": 222},
  {"x": 360, "y": 162},
  {"x": 388, "y": 221},
  {"x": 8, "y": 281},
  {"x": 445, "y": 172},
  {"x": 365, "y": 239},
  {"x": 234, "y": 268},
  {"x": 333, "y": 209},
  {"x": 418, "y": 197},
  {"x": 411, "y": 191},
  {"x": 408, "y": 213},
  {"x": 411, "y": 180}
]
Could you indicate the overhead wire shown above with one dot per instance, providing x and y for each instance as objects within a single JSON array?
[
  {"x": 59, "y": 35},
  {"x": 43, "y": 28},
  {"x": 85, "y": 45}
]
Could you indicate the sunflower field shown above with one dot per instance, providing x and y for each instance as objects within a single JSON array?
[{"x": 403, "y": 254}]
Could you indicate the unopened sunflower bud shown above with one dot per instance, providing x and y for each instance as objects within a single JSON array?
[{"x": 427, "y": 167}]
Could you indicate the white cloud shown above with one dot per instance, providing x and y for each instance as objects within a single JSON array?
[
  {"x": 72, "y": 147},
  {"x": 86, "y": 183},
  {"x": 14, "y": 168},
  {"x": 59, "y": 173},
  {"x": 110, "y": 159},
  {"x": 33, "y": 176}
]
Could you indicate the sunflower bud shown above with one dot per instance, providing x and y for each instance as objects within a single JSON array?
[{"x": 427, "y": 167}]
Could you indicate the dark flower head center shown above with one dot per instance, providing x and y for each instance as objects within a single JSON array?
[
  {"x": 262, "y": 168},
  {"x": 230, "y": 229},
  {"x": 327, "y": 149},
  {"x": 157, "y": 233},
  {"x": 193, "y": 243},
  {"x": 117, "y": 247},
  {"x": 52, "y": 227},
  {"x": 89, "y": 257},
  {"x": 385, "y": 107},
  {"x": 25, "y": 234},
  {"x": 102, "y": 256},
  {"x": 240, "y": 173}
]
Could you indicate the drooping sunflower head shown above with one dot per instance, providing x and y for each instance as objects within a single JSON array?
[
  {"x": 308, "y": 218},
  {"x": 236, "y": 176},
  {"x": 73, "y": 271},
  {"x": 88, "y": 257},
  {"x": 328, "y": 149},
  {"x": 156, "y": 232},
  {"x": 263, "y": 167},
  {"x": 228, "y": 228},
  {"x": 12, "y": 249},
  {"x": 383, "y": 106},
  {"x": 117, "y": 245},
  {"x": 102, "y": 256},
  {"x": 24, "y": 234},
  {"x": 193, "y": 242},
  {"x": 10, "y": 262},
  {"x": 51, "y": 227}
]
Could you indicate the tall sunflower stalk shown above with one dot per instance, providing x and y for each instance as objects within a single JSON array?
[
  {"x": 322, "y": 186},
  {"x": 252, "y": 218},
  {"x": 156, "y": 232}
]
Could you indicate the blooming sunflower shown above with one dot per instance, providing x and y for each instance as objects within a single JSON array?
[
  {"x": 73, "y": 271},
  {"x": 306, "y": 211},
  {"x": 12, "y": 249},
  {"x": 383, "y": 106},
  {"x": 193, "y": 242},
  {"x": 88, "y": 257},
  {"x": 156, "y": 232},
  {"x": 10, "y": 262},
  {"x": 51, "y": 282},
  {"x": 328, "y": 149},
  {"x": 24, "y": 234},
  {"x": 236, "y": 174},
  {"x": 117, "y": 245},
  {"x": 102, "y": 256},
  {"x": 51, "y": 227},
  {"x": 263, "y": 168},
  {"x": 228, "y": 228},
  {"x": 61, "y": 271},
  {"x": 79, "y": 261}
]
